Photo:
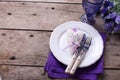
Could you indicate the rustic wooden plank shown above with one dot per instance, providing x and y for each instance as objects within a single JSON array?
[
  {"x": 40, "y": 16},
  {"x": 32, "y": 47},
  {"x": 112, "y": 55},
  {"x": 22, "y": 73},
  {"x": 110, "y": 75},
  {"x": 60, "y": 1},
  {"x": 37, "y": 73},
  {"x": 24, "y": 47}
]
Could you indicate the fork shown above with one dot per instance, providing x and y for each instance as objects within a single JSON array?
[
  {"x": 75, "y": 55},
  {"x": 81, "y": 55}
]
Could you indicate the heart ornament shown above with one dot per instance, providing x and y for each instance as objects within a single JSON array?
[{"x": 74, "y": 37}]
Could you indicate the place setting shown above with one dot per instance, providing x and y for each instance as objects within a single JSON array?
[
  {"x": 76, "y": 47},
  {"x": 76, "y": 51}
]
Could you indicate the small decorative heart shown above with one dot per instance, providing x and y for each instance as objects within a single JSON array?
[{"x": 74, "y": 37}]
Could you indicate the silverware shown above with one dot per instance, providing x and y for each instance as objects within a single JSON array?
[
  {"x": 82, "y": 54},
  {"x": 75, "y": 54}
]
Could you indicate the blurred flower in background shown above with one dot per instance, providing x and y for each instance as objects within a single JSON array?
[{"x": 110, "y": 12}]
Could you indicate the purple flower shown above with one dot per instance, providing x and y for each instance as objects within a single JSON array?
[
  {"x": 109, "y": 26},
  {"x": 111, "y": 15},
  {"x": 106, "y": 8},
  {"x": 108, "y": 4},
  {"x": 104, "y": 12},
  {"x": 116, "y": 28},
  {"x": 117, "y": 20}
]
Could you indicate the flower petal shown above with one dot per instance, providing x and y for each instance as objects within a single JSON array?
[{"x": 117, "y": 20}]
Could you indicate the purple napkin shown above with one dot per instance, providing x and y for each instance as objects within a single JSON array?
[{"x": 56, "y": 69}]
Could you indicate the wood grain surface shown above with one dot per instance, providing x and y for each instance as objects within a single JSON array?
[
  {"x": 42, "y": 16},
  {"x": 39, "y": 16},
  {"x": 57, "y": 1},
  {"x": 37, "y": 73},
  {"x": 25, "y": 29},
  {"x": 32, "y": 47}
]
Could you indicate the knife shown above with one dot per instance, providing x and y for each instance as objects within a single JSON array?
[{"x": 75, "y": 54}]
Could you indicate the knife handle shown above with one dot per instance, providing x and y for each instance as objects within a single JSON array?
[
  {"x": 69, "y": 67},
  {"x": 77, "y": 63}
]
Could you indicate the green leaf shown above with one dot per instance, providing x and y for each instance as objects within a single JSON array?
[{"x": 117, "y": 5}]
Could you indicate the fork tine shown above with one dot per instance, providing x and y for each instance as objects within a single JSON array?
[
  {"x": 88, "y": 41},
  {"x": 81, "y": 56}
]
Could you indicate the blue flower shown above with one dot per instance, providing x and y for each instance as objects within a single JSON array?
[{"x": 117, "y": 20}]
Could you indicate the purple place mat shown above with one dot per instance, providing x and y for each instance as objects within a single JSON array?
[{"x": 56, "y": 69}]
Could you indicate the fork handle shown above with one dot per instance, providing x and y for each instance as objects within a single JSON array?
[
  {"x": 77, "y": 63},
  {"x": 69, "y": 67}
]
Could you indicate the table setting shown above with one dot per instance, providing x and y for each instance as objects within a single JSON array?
[
  {"x": 60, "y": 55},
  {"x": 77, "y": 48}
]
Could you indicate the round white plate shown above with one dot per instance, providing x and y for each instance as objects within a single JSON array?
[{"x": 58, "y": 42}]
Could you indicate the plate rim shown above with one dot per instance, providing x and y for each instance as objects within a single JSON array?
[{"x": 59, "y": 26}]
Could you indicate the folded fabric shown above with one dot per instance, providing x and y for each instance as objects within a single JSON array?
[{"x": 56, "y": 69}]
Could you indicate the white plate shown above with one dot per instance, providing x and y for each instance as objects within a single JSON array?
[{"x": 58, "y": 42}]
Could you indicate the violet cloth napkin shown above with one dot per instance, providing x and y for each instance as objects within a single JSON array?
[{"x": 56, "y": 69}]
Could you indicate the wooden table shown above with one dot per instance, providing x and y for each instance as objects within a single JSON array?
[{"x": 25, "y": 29}]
